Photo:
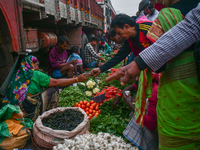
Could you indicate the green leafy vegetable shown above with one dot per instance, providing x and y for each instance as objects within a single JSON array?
[
  {"x": 111, "y": 120},
  {"x": 71, "y": 95},
  {"x": 67, "y": 120}
]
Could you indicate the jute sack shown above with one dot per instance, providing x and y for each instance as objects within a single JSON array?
[{"x": 47, "y": 137}]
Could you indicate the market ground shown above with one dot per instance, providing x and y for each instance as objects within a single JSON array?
[{"x": 31, "y": 146}]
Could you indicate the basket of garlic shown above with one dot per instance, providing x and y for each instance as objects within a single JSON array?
[{"x": 101, "y": 141}]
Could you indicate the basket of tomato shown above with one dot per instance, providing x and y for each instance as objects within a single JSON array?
[{"x": 91, "y": 108}]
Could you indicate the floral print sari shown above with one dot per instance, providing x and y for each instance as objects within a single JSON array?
[{"x": 20, "y": 81}]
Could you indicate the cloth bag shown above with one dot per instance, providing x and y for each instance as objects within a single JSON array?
[
  {"x": 14, "y": 132},
  {"x": 47, "y": 137}
]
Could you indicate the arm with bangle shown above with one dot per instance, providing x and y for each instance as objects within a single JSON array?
[{"x": 65, "y": 82}]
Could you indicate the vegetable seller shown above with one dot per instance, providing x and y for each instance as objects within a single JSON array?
[
  {"x": 57, "y": 61},
  {"x": 91, "y": 57},
  {"x": 144, "y": 137},
  {"x": 178, "y": 94},
  {"x": 26, "y": 88},
  {"x": 134, "y": 36}
]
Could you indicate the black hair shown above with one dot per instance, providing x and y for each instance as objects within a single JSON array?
[
  {"x": 75, "y": 49},
  {"x": 111, "y": 33},
  {"x": 63, "y": 39},
  {"x": 94, "y": 39},
  {"x": 143, "y": 4},
  {"x": 121, "y": 19},
  {"x": 134, "y": 17},
  {"x": 146, "y": 3},
  {"x": 137, "y": 14}
]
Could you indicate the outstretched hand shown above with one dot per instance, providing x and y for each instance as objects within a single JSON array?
[
  {"x": 95, "y": 72},
  {"x": 119, "y": 73},
  {"x": 126, "y": 73}
]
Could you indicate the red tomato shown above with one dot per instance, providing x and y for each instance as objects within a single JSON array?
[
  {"x": 96, "y": 108},
  {"x": 91, "y": 102},
  {"x": 90, "y": 114},
  {"x": 86, "y": 109},
  {"x": 83, "y": 106},
  {"x": 99, "y": 111},
  {"x": 76, "y": 104},
  {"x": 94, "y": 104},
  {"x": 87, "y": 112},
  {"x": 85, "y": 102},
  {"x": 97, "y": 104},
  {"x": 81, "y": 102},
  {"x": 92, "y": 107},
  {"x": 93, "y": 113},
  {"x": 90, "y": 111},
  {"x": 90, "y": 117},
  {"x": 88, "y": 105},
  {"x": 79, "y": 105}
]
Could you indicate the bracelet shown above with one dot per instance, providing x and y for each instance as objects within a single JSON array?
[{"x": 119, "y": 94}]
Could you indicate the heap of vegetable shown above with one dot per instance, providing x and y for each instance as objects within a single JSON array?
[
  {"x": 91, "y": 108},
  {"x": 67, "y": 120},
  {"x": 110, "y": 93},
  {"x": 90, "y": 87},
  {"x": 111, "y": 120},
  {"x": 101, "y": 141},
  {"x": 71, "y": 95}
]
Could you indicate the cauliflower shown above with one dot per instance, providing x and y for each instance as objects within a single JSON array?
[
  {"x": 88, "y": 93},
  {"x": 95, "y": 90},
  {"x": 82, "y": 83},
  {"x": 90, "y": 84}
]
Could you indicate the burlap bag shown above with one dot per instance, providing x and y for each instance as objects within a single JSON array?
[{"x": 47, "y": 137}]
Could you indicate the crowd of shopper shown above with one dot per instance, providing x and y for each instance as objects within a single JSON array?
[
  {"x": 164, "y": 60},
  {"x": 174, "y": 54}
]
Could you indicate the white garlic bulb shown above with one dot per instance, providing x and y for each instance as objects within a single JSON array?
[{"x": 101, "y": 141}]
